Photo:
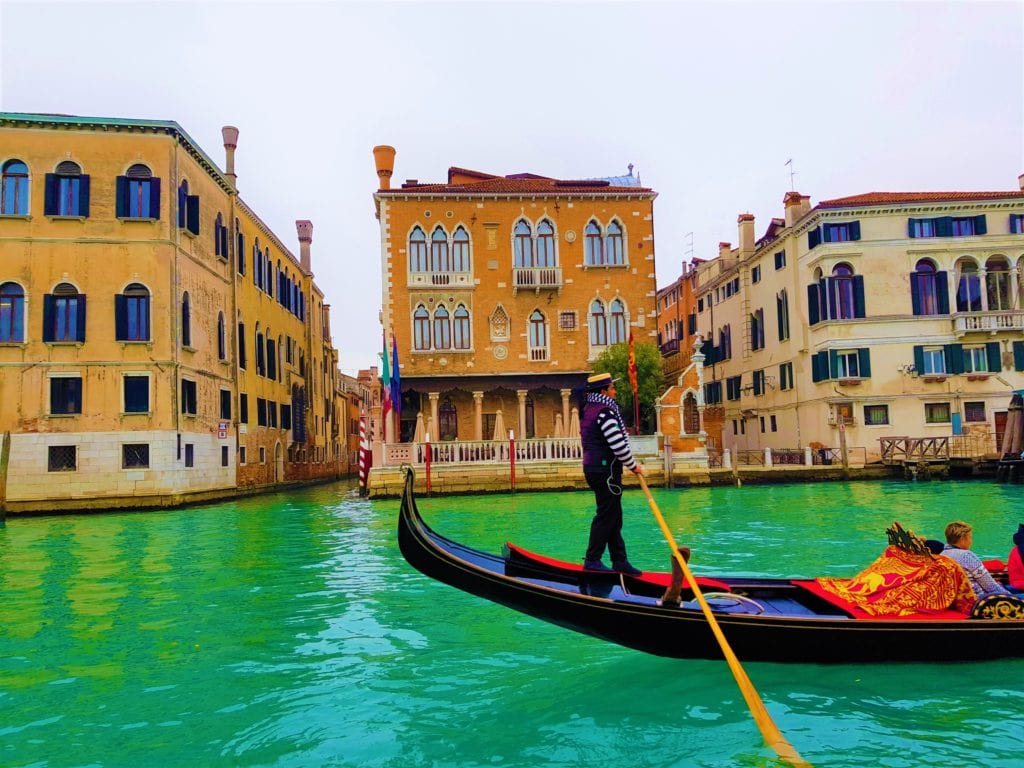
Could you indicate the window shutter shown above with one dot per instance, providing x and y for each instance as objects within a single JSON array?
[
  {"x": 826, "y": 233},
  {"x": 855, "y": 230},
  {"x": 995, "y": 358},
  {"x": 122, "y": 196},
  {"x": 864, "y": 362},
  {"x": 942, "y": 288},
  {"x": 944, "y": 226},
  {"x": 691, "y": 324},
  {"x": 911, "y": 231},
  {"x": 954, "y": 358},
  {"x": 858, "y": 296},
  {"x": 813, "y": 238},
  {"x": 83, "y": 196},
  {"x": 758, "y": 382},
  {"x": 81, "y": 317},
  {"x": 192, "y": 213},
  {"x": 1018, "y": 355},
  {"x": 48, "y": 317},
  {"x": 50, "y": 195},
  {"x": 813, "y": 314},
  {"x": 154, "y": 198},
  {"x": 919, "y": 359},
  {"x": 915, "y": 293},
  {"x": 980, "y": 225},
  {"x": 120, "y": 317},
  {"x": 241, "y": 345}
]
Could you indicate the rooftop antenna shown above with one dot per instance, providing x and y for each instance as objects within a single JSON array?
[{"x": 792, "y": 175}]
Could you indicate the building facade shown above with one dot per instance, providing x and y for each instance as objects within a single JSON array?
[
  {"x": 876, "y": 315},
  {"x": 501, "y": 291},
  {"x": 154, "y": 333}
]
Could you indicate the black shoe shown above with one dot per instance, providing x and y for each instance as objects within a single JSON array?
[
  {"x": 596, "y": 565},
  {"x": 625, "y": 567}
]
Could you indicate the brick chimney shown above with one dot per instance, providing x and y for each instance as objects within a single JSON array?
[
  {"x": 230, "y": 135},
  {"x": 305, "y": 229},
  {"x": 745, "y": 222},
  {"x": 1020, "y": 182},
  {"x": 724, "y": 250},
  {"x": 384, "y": 159},
  {"x": 797, "y": 206}
]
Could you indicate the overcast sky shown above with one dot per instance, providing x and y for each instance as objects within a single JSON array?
[{"x": 708, "y": 101}]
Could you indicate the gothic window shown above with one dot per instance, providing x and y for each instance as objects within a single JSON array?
[
  {"x": 442, "y": 329},
  {"x": 617, "y": 322},
  {"x": 545, "y": 244},
  {"x": 593, "y": 245},
  {"x": 614, "y": 250},
  {"x": 598, "y": 324},
  {"x": 691, "y": 416},
  {"x": 523, "y": 244},
  {"x": 461, "y": 328},
  {"x": 417, "y": 250},
  {"x": 460, "y": 251},
  {"x": 439, "y": 251},
  {"x": 421, "y": 328}
]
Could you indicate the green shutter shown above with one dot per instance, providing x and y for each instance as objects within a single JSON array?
[
  {"x": 855, "y": 230},
  {"x": 833, "y": 364},
  {"x": 864, "y": 362},
  {"x": 942, "y": 288},
  {"x": 919, "y": 359},
  {"x": 1018, "y": 355},
  {"x": 915, "y": 293},
  {"x": 995, "y": 358},
  {"x": 980, "y": 226},
  {"x": 858, "y": 296},
  {"x": 954, "y": 358}
]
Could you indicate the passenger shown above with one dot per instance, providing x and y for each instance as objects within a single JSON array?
[
  {"x": 959, "y": 537},
  {"x": 1015, "y": 562}
]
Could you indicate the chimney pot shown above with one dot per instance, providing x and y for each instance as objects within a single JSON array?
[
  {"x": 230, "y": 135},
  {"x": 384, "y": 159},
  {"x": 304, "y": 228}
]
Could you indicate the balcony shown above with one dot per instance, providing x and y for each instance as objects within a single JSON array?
[
  {"x": 434, "y": 279},
  {"x": 670, "y": 347},
  {"x": 536, "y": 278},
  {"x": 988, "y": 322}
]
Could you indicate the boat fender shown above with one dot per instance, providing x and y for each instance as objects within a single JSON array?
[{"x": 998, "y": 608}]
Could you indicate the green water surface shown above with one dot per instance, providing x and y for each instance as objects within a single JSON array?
[{"x": 287, "y": 630}]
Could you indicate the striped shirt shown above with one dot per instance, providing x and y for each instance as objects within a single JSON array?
[{"x": 609, "y": 422}]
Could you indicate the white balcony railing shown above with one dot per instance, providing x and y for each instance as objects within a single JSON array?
[
  {"x": 1002, "y": 320},
  {"x": 534, "y": 450},
  {"x": 429, "y": 279},
  {"x": 536, "y": 278}
]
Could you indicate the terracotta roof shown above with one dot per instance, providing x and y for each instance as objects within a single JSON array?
[
  {"x": 507, "y": 185},
  {"x": 888, "y": 198},
  {"x": 456, "y": 171}
]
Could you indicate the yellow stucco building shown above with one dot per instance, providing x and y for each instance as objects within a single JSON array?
[
  {"x": 158, "y": 343},
  {"x": 501, "y": 291}
]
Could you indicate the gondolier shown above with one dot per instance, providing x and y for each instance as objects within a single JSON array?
[{"x": 605, "y": 452}]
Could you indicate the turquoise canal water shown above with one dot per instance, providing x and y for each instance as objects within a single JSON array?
[{"x": 288, "y": 631}]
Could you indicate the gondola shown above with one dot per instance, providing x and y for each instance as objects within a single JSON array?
[{"x": 776, "y": 620}]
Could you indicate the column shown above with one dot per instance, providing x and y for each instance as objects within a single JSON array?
[
  {"x": 565, "y": 406},
  {"x": 434, "y": 427},
  {"x": 521, "y": 432},
  {"x": 478, "y": 415}
]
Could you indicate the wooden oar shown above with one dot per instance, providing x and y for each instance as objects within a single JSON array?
[{"x": 772, "y": 735}]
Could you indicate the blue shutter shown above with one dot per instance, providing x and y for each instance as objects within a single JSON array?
[
  {"x": 855, "y": 230},
  {"x": 48, "y": 302},
  {"x": 121, "y": 195},
  {"x": 154, "y": 198},
  {"x": 80, "y": 305},
  {"x": 1018, "y": 355},
  {"x": 995, "y": 358},
  {"x": 915, "y": 293},
  {"x": 833, "y": 364},
  {"x": 980, "y": 226},
  {"x": 826, "y": 232},
  {"x": 911, "y": 232},
  {"x": 83, "y": 196},
  {"x": 858, "y": 296},
  {"x": 864, "y": 362},
  {"x": 919, "y": 359},
  {"x": 954, "y": 358},
  {"x": 944, "y": 226},
  {"x": 813, "y": 238},
  {"x": 192, "y": 213},
  {"x": 813, "y": 314},
  {"x": 50, "y": 195},
  {"x": 942, "y": 288},
  {"x": 120, "y": 317}
]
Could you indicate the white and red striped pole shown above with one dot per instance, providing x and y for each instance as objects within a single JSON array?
[
  {"x": 427, "y": 460},
  {"x": 365, "y": 457},
  {"x": 512, "y": 457}
]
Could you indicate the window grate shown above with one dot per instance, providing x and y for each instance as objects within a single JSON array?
[
  {"x": 62, "y": 458},
  {"x": 135, "y": 455}
]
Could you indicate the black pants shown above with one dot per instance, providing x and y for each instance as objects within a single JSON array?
[{"x": 606, "y": 528}]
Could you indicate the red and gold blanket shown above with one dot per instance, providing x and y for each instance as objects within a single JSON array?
[{"x": 900, "y": 583}]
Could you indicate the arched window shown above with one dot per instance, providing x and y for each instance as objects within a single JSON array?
[
  {"x": 64, "y": 314},
  {"x": 448, "y": 420},
  {"x": 545, "y": 244},
  {"x": 691, "y": 416},
  {"x": 268, "y": 270},
  {"x": 12, "y": 313},
  {"x": 593, "y": 253},
  {"x": 417, "y": 250},
  {"x": 14, "y": 189},
  {"x": 186, "y": 321},
  {"x": 220, "y": 237},
  {"x": 522, "y": 245},
  {"x": 182, "y": 203},
  {"x": 460, "y": 328},
  {"x": 142, "y": 194},
  {"x": 538, "y": 336},
  {"x": 442, "y": 329},
  {"x": 256, "y": 262},
  {"x": 439, "y": 251},
  {"x": 997, "y": 283},
  {"x": 968, "y": 290},
  {"x": 460, "y": 251},
  {"x": 239, "y": 247},
  {"x": 131, "y": 314},
  {"x": 614, "y": 252},
  {"x": 617, "y": 322},
  {"x": 924, "y": 289},
  {"x": 67, "y": 191},
  {"x": 421, "y": 328},
  {"x": 222, "y": 342},
  {"x": 261, "y": 362},
  {"x": 842, "y": 287},
  {"x": 598, "y": 324}
]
